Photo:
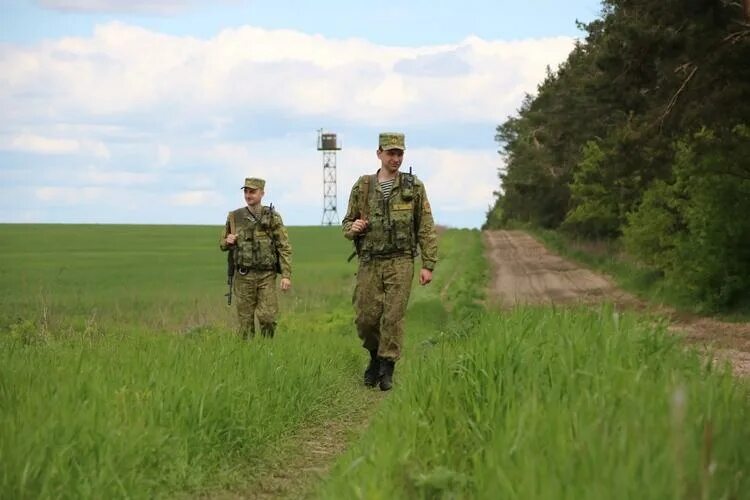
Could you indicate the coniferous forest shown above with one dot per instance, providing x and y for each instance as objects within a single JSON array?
[{"x": 642, "y": 136}]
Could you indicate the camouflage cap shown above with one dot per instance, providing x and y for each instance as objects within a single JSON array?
[
  {"x": 254, "y": 183},
  {"x": 391, "y": 140}
]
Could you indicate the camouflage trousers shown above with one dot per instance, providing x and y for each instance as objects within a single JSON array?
[
  {"x": 380, "y": 299},
  {"x": 255, "y": 295}
]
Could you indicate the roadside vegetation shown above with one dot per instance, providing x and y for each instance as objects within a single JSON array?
[
  {"x": 609, "y": 257},
  {"x": 642, "y": 137},
  {"x": 543, "y": 402},
  {"x": 104, "y": 394}
]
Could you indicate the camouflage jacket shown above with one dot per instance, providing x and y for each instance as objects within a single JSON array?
[
  {"x": 259, "y": 239},
  {"x": 396, "y": 225}
]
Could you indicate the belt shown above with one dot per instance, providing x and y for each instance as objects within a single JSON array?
[
  {"x": 244, "y": 270},
  {"x": 390, "y": 255}
]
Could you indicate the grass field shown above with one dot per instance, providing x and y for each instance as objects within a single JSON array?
[
  {"x": 66, "y": 278},
  {"x": 120, "y": 374},
  {"x": 120, "y": 378}
]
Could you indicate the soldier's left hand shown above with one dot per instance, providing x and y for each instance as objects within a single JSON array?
[
  {"x": 359, "y": 226},
  {"x": 425, "y": 276},
  {"x": 286, "y": 284}
]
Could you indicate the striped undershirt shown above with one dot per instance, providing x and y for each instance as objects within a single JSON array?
[{"x": 386, "y": 186}]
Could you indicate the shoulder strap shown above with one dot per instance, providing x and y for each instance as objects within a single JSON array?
[
  {"x": 232, "y": 223},
  {"x": 366, "y": 183}
]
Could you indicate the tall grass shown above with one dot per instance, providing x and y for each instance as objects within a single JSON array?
[
  {"x": 134, "y": 385},
  {"x": 143, "y": 416},
  {"x": 553, "y": 403}
]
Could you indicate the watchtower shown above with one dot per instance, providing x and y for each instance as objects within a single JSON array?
[{"x": 328, "y": 144}]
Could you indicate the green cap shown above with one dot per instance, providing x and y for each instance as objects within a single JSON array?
[
  {"x": 391, "y": 140},
  {"x": 254, "y": 183}
]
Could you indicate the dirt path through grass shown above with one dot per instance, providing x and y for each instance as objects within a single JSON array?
[
  {"x": 304, "y": 459},
  {"x": 307, "y": 458},
  {"x": 525, "y": 272}
]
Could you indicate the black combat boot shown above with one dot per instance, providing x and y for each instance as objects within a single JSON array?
[
  {"x": 386, "y": 373},
  {"x": 372, "y": 373},
  {"x": 268, "y": 329}
]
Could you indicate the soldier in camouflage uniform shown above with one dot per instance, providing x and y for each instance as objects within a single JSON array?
[
  {"x": 388, "y": 217},
  {"x": 260, "y": 244}
]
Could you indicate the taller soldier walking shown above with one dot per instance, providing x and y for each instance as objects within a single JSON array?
[
  {"x": 389, "y": 218},
  {"x": 258, "y": 240}
]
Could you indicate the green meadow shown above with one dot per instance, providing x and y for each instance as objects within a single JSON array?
[{"x": 120, "y": 377}]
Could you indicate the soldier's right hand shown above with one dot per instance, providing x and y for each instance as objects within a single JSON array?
[
  {"x": 231, "y": 239},
  {"x": 359, "y": 226}
]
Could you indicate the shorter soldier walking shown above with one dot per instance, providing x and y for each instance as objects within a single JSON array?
[
  {"x": 388, "y": 217},
  {"x": 258, "y": 240}
]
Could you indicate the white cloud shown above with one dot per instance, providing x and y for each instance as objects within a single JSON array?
[
  {"x": 458, "y": 180},
  {"x": 195, "y": 198},
  {"x": 123, "y": 69},
  {"x": 291, "y": 170},
  {"x": 44, "y": 145},
  {"x": 93, "y": 176},
  {"x": 163, "y": 155},
  {"x": 160, "y": 120},
  {"x": 70, "y": 195},
  {"x": 30, "y": 143},
  {"x": 161, "y": 7}
]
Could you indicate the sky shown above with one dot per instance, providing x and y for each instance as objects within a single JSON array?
[{"x": 154, "y": 111}]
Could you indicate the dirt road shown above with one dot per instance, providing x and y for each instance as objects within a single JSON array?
[{"x": 525, "y": 272}]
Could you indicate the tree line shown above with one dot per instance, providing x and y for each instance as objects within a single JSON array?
[{"x": 643, "y": 135}]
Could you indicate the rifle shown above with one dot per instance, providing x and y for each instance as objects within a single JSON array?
[
  {"x": 230, "y": 262},
  {"x": 417, "y": 209},
  {"x": 364, "y": 211},
  {"x": 230, "y": 276},
  {"x": 277, "y": 263}
]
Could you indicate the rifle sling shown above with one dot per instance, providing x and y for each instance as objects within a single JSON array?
[
  {"x": 365, "y": 210},
  {"x": 232, "y": 224}
]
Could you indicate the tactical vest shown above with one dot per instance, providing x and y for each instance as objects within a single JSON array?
[
  {"x": 255, "y": 248},
  {"x": 392, "y": 222}
]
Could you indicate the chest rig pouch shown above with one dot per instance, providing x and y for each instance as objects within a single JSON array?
[
  {"x": 256, "y": 248},
  {"x": 392, "y": 221}
]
